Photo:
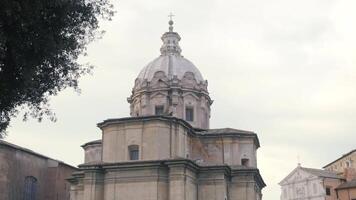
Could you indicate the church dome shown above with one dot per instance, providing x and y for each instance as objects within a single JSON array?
[
  {"x": 171, "y": 85},
  {"x": 171, "y": 66},
  {"x": 170, "y": 62}
]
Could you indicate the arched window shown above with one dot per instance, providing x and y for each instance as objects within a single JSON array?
[
  {"x": 133, "y": 152},
  {"x": 30, "y": 188}
]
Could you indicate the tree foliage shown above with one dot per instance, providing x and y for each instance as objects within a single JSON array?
[{"x": 40, "y": 41}]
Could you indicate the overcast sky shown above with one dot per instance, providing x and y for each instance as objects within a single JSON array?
[{"x": 285, "y": 69}]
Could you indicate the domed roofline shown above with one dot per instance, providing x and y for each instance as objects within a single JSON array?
[{"x": 171, "y": 85}]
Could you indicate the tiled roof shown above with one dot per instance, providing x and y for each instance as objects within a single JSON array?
[
  {"x": 350, "y": 184},
  {"x": 340, "y": 158},
  {"x": 322, "y": 173}
]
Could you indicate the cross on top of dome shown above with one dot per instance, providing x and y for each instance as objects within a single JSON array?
[{"x": 170, "y": 22}]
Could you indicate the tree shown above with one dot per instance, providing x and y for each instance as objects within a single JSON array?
[{"x": 40, "y": 42}]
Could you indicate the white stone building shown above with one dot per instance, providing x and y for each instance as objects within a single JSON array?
[
  {"x": 310, "y": 184},
  {"x": 165, "y": 150}
]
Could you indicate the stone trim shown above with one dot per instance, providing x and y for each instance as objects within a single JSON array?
[
  {"x": 95, "y": 142},
  {"x": 192, "y": 131},
  {"x": 184, "y": 163},
  {"x": 250, "y": 171}
]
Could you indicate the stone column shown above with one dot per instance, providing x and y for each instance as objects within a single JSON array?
[
  {"x": 182, "y": 180},
  {"x": 245, "y": 185},
  {"x": 213, "y": 183},
  {"x": 93, "y": 185},
  {"x": 76, "y": 186}
]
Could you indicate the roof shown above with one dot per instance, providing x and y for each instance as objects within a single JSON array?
[
  {"x": 29, "y": 151},
  {"x": 346, "y": 185},
  {"x": 225, "y": 130},
  {"x": 322, "y": 173},
  {"x": 230, "y": 132},
  {"x": 316, "y": 172},
  {"x": 343, "y": 156},
  {"x": 143, "y": 119},
  {"x": 172, "y": 66},
  {"x": 170, "y": 62},
  {"x": 92, "y": 143}
]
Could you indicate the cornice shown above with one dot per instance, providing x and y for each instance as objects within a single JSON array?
[
  {"x": 193, "y": 132},
  {"x": 169, "y": 163}
]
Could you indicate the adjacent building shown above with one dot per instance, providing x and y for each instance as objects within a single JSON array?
[
  {"x": 347, "y": 190},
  {"x": 27, "y": 175},
  {"x": 310, "y": 184},
  {"x": 346, "y": 167},
  {"x": 166, "y": 150},
  {"x": 336, "y": 182}
]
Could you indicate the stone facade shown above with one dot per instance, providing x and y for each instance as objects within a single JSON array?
[
  {"x": 338, "y": 177},
  {"x": 165, "y": 150},
  {"x": 313, "y": 184},
  {"x": 345, "y": 165},
  {"x": 175, "y": 162},
  {"x": 24, "y": 173}
]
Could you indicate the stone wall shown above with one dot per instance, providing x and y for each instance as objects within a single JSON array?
[
  {"x": 168, "y": 138},
  {"x": 175, "y": 162},
  {"x": 167, "y": 179},
  {"x": 346, "y": 161},
  {"x": 93, "y": 151},
  {"x": 230, "y": 151},
  {"x": 347, "y": 194},
  {"x": 332, "y": 184},
  {"x": 17, "y": 163},
  {"x": 156, "y": 140}
]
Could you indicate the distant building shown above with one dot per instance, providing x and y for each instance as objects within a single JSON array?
[
  {"x": 346, "y": 167},
  {"x": 166, "y": 150},
  {"x": 26, "y": 175},
  {"x": 336, "y": 182},
  {"x": 310, "y": 184}
]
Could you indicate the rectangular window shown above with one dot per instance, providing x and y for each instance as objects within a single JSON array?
[
  {"x": 134, "y": 155},
  {"x": 159, "y": 110},
  {"x": 189, "y": 114},
  {"x": 134, "y": 152},
  {"x": 245, "y": 162},
  {"x": 328, "y": 191}
]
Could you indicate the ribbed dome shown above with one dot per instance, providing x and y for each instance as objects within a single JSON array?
[
  {"x": 171, "y": 85},
  {"x": 171, "y": 65}
]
